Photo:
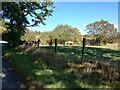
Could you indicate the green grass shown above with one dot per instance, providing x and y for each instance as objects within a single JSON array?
[
  {"x": 41, "y": 67},
  {"x": 100, "y": 53}
]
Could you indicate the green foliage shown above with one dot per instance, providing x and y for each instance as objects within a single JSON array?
[
  {"x": 67, "y": 32},
  {"x": 61, "y": 32},
  {"x": 103, "y": 31},
  {"x": 30, "y": 35},
  {"x": 17, "y": 13}
]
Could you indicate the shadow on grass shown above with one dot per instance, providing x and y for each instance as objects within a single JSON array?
[
  {"x": 44, "y": 68},
  {"x": 75, "y": 52},
  {"x": 58, "y": 80},
  {"x": 41, "y": 69}
]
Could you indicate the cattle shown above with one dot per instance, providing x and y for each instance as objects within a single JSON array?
[
  {"x": 32, "y": 42},
  {"x": 49, "y": 42}
]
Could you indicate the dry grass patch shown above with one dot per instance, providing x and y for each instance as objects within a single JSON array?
[{"x": 96, "y": 73}]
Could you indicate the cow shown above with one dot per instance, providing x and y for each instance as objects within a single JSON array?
[
  {"x": 49, "y": 42},
  {"x": 32, "y": 42}
]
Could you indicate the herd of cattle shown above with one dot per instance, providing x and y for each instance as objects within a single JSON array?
[
  {"x": 48, "y": 42},
  {"x": 60, "y": 41}
]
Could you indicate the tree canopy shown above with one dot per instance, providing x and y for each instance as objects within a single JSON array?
[
  {"x": 103, "y": 31},
  {"x": 60, "y": 32},
  {"x": 66, "y": 31},
  {"x": 20, "y": 15}
]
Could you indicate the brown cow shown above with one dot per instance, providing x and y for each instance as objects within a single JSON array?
[{"x": 49, "y": 42}]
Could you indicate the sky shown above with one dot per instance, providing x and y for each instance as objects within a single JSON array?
[{"x": 79, "y": 14}]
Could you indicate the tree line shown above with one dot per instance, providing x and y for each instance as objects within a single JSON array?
[
  {"x": 99, "y": 33},
  {"x": 66, "y": 33},
  {"x": 61, "y": 32}
]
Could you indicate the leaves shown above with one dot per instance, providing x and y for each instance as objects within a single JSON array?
[
  {"x": 16, "y": 13},
  {"x": 102, "y": 30},
  {"x": 66, "y": 32}
]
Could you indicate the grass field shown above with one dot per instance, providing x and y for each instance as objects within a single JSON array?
[
  {"x": 43, "y": 68},
  {"x": 91, "y": 52}
]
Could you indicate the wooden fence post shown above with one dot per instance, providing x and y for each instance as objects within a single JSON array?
[
  {"x": 83, "y": 49},
  {"x": 51, "y": 42},
  {"x": 38, "y": 42},
  {"x": 55, "y": 45}
]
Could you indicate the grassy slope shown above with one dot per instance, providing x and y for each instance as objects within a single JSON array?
[{"x": 43, "y": 68}]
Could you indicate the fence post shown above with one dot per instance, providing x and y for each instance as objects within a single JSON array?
[
  {"x": 38, "y": 42},
  {"x": 55, "y": 45},
  {"x": 83, "y": 49}
]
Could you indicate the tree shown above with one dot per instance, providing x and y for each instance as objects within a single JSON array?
[
  {"x": 23, "y": 14},
  {"x": 66, "y": 32},
  {"x": 103, "y": 31},
  {"x": 29, "y": 35}
]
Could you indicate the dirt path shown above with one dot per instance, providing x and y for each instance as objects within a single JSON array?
[{"x": 10, "y": 79}]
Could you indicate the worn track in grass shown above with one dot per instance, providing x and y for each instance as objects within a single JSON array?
[{"x": 10, "y": 79}]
